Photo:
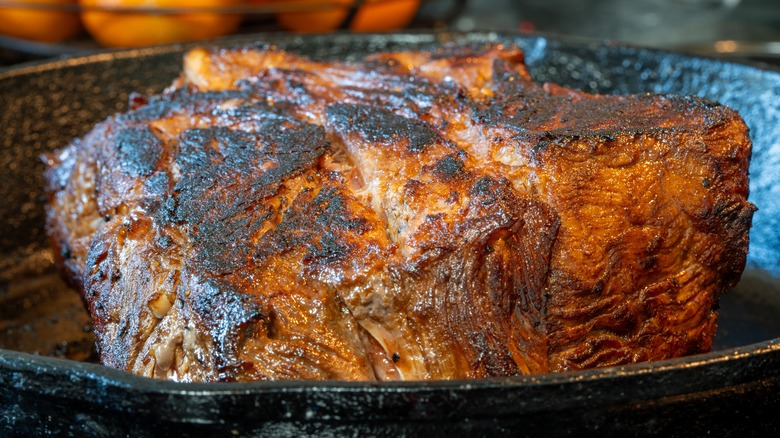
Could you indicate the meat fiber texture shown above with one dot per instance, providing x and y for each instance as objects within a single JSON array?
[{"x": 408, "y": 216}]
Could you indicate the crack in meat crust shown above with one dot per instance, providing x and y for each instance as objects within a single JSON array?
[{"x": 414, "y": 215}]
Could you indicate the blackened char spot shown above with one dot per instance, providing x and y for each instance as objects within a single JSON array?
[
  {"x": 330, "y": 249},
  {"x": 225, "y": 244},
  {"x": 224, "y": 310},
  {"x": 157, "y": 185},
  {"x": 334, "y": 212},
  {"x": 226, "y": 176},
  {"x": 321, "y": 224},
  {"x": 180, "y": 100},
  {"x": 449, "y": 167},
  {"x": 399, "y": 90},
  {"x": 195, "y": 152},
  {"x": 139, "y": 150},
  {"x": 378, "y": 125},
  {"x": 487, "y": 191},
  {"x": 483, "y": 186},
  {"x": 283, "y": 86},
  {"x": 158, "y": 199},
  {"x": 164, "y": 211},
  {"x": 164, "y": 241},
  {"x": 535, "y": 113}
]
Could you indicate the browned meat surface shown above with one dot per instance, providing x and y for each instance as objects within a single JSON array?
[{"x": 415, "y": 215}]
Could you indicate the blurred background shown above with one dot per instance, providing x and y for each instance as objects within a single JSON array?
[{"x": 36, "y": 29}]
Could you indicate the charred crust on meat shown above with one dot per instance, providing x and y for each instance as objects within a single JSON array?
[
  {"x": 165, "y": 241},
  {"x": 484, "y": 188},
  {"x": 164, "y": 211},
  {"x": 320, "y": 224},
  {"x": 226, "y": 312},
  {"x": 449, "y": 167},
  {"x": 225, "y": 242},
  {"x": 178, "y": 101},
  {"x": 196, "y": 151},
  {"x": 138, "y": 150},
  {"x": 435, "y": 217},
  {"x": 335, "y": 212},
  {"x": 157, "y": 185},
  {"x": 330, "y": 249},
  {"x": 227, "y": 178},
  {"x": 378, "y": 125},
  {"x": 540, "y": 117}
]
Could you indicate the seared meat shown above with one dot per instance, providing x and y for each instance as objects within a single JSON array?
[{"x": 414, "y": 215}]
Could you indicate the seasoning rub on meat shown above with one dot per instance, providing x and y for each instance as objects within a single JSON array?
[{"x": 413, "y": 215}]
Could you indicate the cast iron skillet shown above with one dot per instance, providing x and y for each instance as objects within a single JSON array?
[{"x": 727, "y": 392}]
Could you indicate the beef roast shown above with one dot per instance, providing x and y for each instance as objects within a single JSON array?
[{"x": 413, "y": 215}]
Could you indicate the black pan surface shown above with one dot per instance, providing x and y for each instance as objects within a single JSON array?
[{"x": 733, "y": 390}]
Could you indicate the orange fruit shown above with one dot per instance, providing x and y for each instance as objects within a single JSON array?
[
  {"x": 40, "y": 23},
  {"x": 373, "y": 15},
  {"x": 129, "y": 29}
]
